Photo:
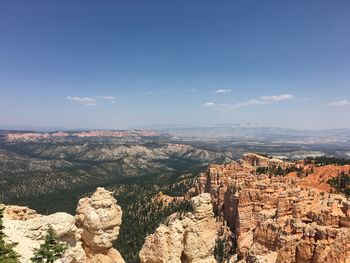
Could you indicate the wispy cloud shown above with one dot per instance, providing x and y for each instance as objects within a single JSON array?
[
  {"x": 209, "y": 104},
  {"x": 305, "y": 99},
  {"x": 340, "y": 103},
  {"x": 252, "y": 102},
  {"x": 277, "y": 97},
  {"x": 222, "y": 90},
  {"x": 87, "y": 101},
  {"x": 106, "y": 97},
  {"x": 155, "y": 92},
  {"x": 111, "y": 99}
]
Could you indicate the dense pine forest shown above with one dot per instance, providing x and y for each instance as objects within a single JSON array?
[{"x": 326, "y": 160}]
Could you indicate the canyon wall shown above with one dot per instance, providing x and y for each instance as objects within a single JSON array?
[{"x": 275, "y": 219}]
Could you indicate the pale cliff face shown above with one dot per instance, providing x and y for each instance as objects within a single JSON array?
[
  {"x": 89, "y": 235},
  {"x": 190, "y": 239}
]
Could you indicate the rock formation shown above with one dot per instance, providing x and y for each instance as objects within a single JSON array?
[
  {"x": 89, "y": 235},
  {"x": 283, "y": 219},
  {"x": 165, "y": 200},
  {"x": 18, "y": 212},
  {"x": 99, "y": 217},
  {"x": 29, "y": 234},
  {"x": 188, "y": 239},
  {"x": 273, "y": 218}
]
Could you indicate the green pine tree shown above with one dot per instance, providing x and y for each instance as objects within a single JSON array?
[
  {"x": 7, "y": 254},
  {"x": 51, "y": 250}
]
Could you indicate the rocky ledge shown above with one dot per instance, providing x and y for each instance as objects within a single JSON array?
[{"x": 89, "y": 235}]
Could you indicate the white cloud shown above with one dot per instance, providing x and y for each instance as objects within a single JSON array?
[
  {"x": 222, "y": 90},
  {"x": 305, "y": 99},
  {"x": 106, "y": 97},
  {"x": 209, "y": 104},
  {"x": 278, "y": 97},
  {"x": 252, "y": 102},
  {"x": 237, "y": 105},
  {"x": 339, "y": 103},
  {"x": 83, "y": 100}
]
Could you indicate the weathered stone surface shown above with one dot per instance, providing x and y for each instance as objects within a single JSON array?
[
  {"x": 99, "y": 217},
  {"x": 18, "y": 212},
  {"x": 89, "y": 236},
  {"x": 188, "y": 239},
  {"x": 29, "y": 234},
  {"x": 274, "y": 218}
]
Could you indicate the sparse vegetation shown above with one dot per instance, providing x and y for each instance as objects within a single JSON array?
[
  {"x": 51, "y": 250},
  {"x": 225, "y": 246},
  {"x": 275, "y": 170},
  {"x": 341, "y": 183}
]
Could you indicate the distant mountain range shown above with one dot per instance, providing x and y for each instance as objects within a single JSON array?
[{"x": 244, "y": 132}]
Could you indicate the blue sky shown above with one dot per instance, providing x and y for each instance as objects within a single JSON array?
[{"x": 121, "y": 64}]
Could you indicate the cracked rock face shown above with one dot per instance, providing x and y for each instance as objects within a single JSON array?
[{"x": 188, "y": 239}]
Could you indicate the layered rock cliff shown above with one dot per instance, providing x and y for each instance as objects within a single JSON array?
[
  {"x": 89, "y": 235},
  {"x": 187, "y": 239},
  {"x": 274, "y": 219}
]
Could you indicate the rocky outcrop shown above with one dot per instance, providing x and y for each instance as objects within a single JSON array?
[
  {"x": 166, "y": 200},
  {"x": 188, "y": 239},
  {"x": 253, "y": 160},
  {"x": 29, "y": 234},
  {"x": 89, "y": 235},
  {"x": 99, "y": 217},
  {"x": 15, "y": 212},
  {"x": 295, "y": 241},
  {"x": 276, "y": 220},
  {"x": 217, "y": 179}
]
